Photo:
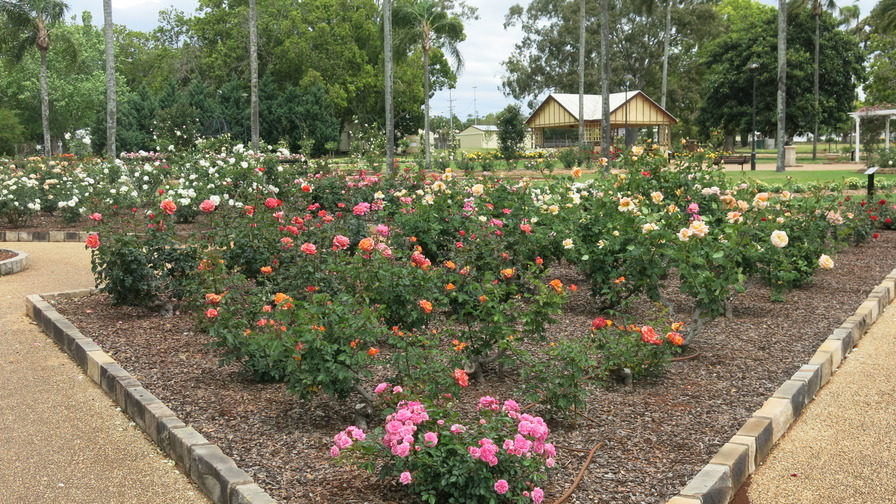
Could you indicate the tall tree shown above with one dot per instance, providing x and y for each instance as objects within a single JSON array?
[
  {"x": 581, "y": 73},
  {"x": 111, "y": 97},
  {"x": 432, "y": 27},
  {"x": 387, "y": 85},
  {"x": 782, "y": 82},
  {"x": 752, "y": 38},
  {"x": 605, "y": 79},
  {"x": 818, "y": 6},
  {"x": 253, "y": 71},
  {"x": 27, "y": 23},
  {"x": 883, "y": 17}
]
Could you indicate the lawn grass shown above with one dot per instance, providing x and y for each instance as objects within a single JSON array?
[{"x": 803, "y": 177}]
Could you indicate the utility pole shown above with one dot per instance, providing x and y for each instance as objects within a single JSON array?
[
  {"x": 450, "y": 120},
  {"x": 475, "y": 112}
]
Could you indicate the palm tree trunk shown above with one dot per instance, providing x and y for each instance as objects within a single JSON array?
[
  {"x": 253, "y": 71},
  {"x": 815, "y": 89},
  {"x": 45, "y": 105},
  {"x": 666, "y": 36},
  {"x": 605, "y": 79},
  {"x": 782, "y": 82},
  {"x": 426, "y": 145},
  {"x": 387, "y": 64},
  {"x": 582, "y": 74},
  {"x": 111, "y": 97}
]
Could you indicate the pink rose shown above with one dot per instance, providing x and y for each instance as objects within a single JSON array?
[
  {"x": 96, "y": 217},
  {"x": 93, "y": 241},
  {"x": 341, "y": 242},
  {"x": 309, "y": 248},
  {"x": 405, "y": 478},
  {"x": 168, "y": 206},
  {"x": 501, "y": 487},
  {"x": 207, "y": 206}
]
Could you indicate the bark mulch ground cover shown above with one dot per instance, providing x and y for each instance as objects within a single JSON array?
[{"x": 656, "y": 435}]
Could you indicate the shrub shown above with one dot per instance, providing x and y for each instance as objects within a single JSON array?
[{"x": 503, "y": 457}]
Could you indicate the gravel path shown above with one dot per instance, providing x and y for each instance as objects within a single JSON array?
[
  {"x": 841, "y": 449},
  {"x": 61, "y": 439}
]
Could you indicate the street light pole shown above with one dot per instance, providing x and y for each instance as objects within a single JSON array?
[{"x": 753, "y": 67}]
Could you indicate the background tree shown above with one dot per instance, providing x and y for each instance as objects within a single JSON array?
[
  {"x": 581, "y": 73},
  {"x": 883, "y": 17},
  {"x": 430, "y": 26},
  {"x": 253, "y": 71},
  {"x": 12, "y": 133},
  {"x": 605, "y": 78},
  {"x": 782, "y": 82},
  {"x": 111, "y": 97},
  {"x": 511, "y": 132},
  {"x": 752, "y": 37},
  {"x": 542, "y": 61},
  {"x": 29, "y": 23},
  {"x": 817, "y": 7},
  {"x": 387, "y": 85}
]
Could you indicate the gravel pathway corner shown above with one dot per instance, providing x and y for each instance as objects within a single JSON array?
[
  {"x": 841, "y": 449},
  {"x": 62, "y": 440}
]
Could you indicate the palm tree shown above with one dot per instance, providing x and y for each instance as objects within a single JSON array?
[
  {"x": 605, "y": 78},
  {"x": 850, "y": 14},
  {"x": 111, "y": 99},
  {"x": 883, "y": 17},
  {"x": 818, "y": 6},
  {"x": 253, "y": 71},
  {"x": 27, "y": 23},
  {"x": 782, "y": 81},
  {"x": 387, "y": 70},
  {"x": 431, "y": 27},
  {"x": 581, "y": 74}
]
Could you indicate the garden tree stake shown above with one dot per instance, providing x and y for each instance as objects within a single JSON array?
[{"x": 579, "y": 476}]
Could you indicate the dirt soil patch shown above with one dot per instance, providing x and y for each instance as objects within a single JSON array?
[{"x": 656, "y": 435}]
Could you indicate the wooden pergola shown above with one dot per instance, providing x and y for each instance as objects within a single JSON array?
[{"x": 632, "y": 109}]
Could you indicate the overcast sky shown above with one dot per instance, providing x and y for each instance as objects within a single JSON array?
[{"x": 487, "y": 44}]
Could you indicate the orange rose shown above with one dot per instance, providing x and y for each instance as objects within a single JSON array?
[
  {"x": 426, "y": 305},
  {"x": 557, "y": 285},
  {"x": 373, "y": 351},
  {"x": 266, "y": 270},
  {"x": 366, "y": 245}
]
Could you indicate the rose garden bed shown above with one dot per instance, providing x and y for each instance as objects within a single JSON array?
[{"x": 654, "y": 436}]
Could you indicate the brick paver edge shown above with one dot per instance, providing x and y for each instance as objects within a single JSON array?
[
  {"x": 722, "y": 477},
  {"x": 14, "y": 265},
  {"x": 216, "y": 474}
]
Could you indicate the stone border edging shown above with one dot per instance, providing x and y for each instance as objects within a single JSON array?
[
  {"x": 207, "y": 466},
  {"x": 43, "y": 236},
  {"x": 736, "y": 460},
  {"x": 15, "y": 264}
]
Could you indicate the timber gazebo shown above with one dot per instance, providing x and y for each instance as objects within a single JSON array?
[{"x": 632, "y": 109}]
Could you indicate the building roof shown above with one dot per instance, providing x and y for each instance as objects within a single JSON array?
[
  {"x": 593, "y": 103},
  {"x": 593, "y": 109},
  {"x": 480, "y": 127}
]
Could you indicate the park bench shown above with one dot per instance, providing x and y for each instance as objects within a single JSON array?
[{"x": 740, "y": 159}]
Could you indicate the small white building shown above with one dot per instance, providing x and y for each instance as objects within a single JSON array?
[{"x": 478, "y": 136}]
